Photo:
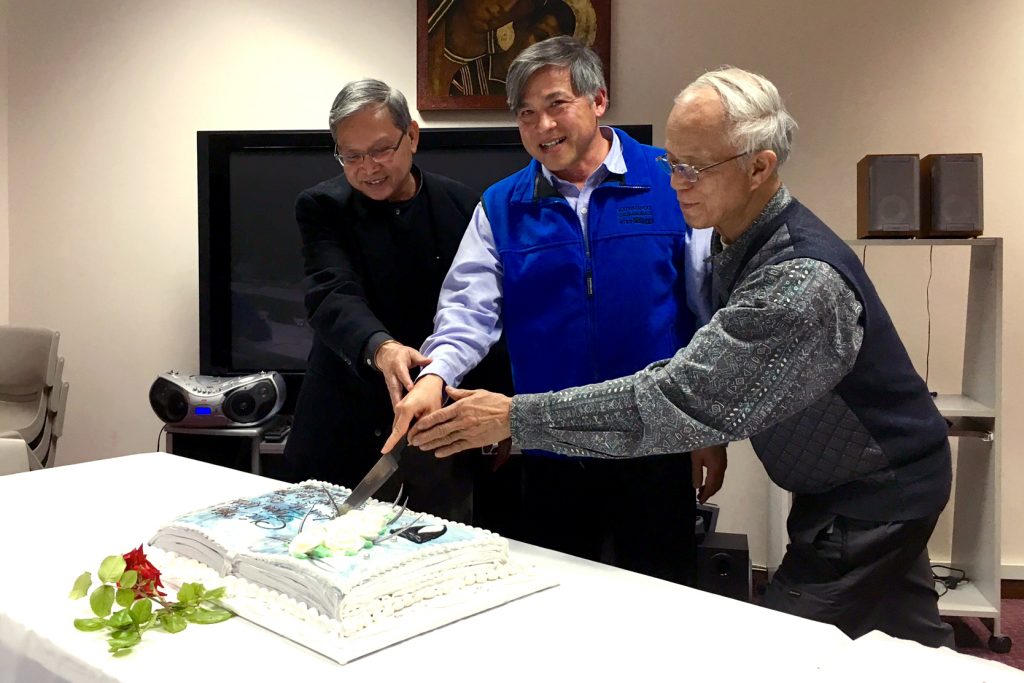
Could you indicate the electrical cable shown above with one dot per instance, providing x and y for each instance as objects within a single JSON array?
[
  {"x": 951, "y": 580},
  {"x": 928, "y": 310}
]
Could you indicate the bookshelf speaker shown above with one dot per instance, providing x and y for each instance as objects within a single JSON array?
[
  {"x": 951, "y": 195},
  {"x": 888, "y": 195}
]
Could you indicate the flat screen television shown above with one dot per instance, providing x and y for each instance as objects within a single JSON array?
[{"x": 251, "y": 311}]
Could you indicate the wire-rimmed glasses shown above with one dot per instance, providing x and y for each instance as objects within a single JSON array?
[
  {"x": 686, "y": 171},
  {"x": 381, "y": 156}
]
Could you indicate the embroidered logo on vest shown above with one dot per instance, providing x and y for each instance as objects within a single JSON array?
[{"x": 638, "y": 213}]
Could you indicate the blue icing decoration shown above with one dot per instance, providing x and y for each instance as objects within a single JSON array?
[{"x": 274, "y": 519}]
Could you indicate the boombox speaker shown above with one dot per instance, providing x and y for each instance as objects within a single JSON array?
[
  {"x": 723, "y": 565},
  {"x": 951, "y": 195},
  {"x": 888, "y": 195},
  {"x": 205, "y": 401}
]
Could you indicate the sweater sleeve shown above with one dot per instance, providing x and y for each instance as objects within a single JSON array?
[{"x": 789, "y": 333}]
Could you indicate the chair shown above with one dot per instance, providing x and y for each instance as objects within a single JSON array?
[
  {"x": 29, "y": 370},
  {"x": 45, "y": 452},
  {"x": 14, "y": 456}
]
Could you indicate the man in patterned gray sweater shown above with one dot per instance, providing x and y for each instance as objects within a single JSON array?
[{"x": 800, "y": 357}]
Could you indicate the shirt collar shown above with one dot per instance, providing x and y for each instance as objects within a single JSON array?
[
  {"x": 726, "y": 261},
  {"x": 613, "y": 162}
]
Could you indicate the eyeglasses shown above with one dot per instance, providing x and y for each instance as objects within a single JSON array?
[
  {"x": 687, "y": 172},
  {"x": 381, "y": 156}
]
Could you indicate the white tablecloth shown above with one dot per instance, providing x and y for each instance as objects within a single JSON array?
[{"x": 601, "y": 623}]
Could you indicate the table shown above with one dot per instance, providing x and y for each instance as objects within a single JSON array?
[{"x": 601, "y": 623}]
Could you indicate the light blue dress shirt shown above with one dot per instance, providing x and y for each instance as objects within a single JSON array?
[{"x": 468, "y": 320}]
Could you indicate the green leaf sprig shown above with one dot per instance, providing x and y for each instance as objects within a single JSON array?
[{"x": 143, "y": 605}]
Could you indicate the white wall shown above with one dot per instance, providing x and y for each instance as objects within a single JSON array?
[
  {"x": 5, "y": 233},
  {"x": 104, "y": 105}
]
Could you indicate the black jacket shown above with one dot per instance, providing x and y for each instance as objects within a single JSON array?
[{"x": 354, "y": 289}]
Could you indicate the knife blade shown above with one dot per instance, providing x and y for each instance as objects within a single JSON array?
[{"x": 386, "y": 465}]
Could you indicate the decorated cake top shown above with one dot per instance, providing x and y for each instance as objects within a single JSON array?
[
  {"x": 348, "y": 534},
  {"x": 352, "y": 568},
  {"x": 300, "y": 524}
]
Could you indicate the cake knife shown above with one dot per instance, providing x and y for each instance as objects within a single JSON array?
[{"x": 375, "y": 478}]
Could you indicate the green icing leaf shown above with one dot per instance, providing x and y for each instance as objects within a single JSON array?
[
  {"x": 81, "y": 587},
  {"x": 90, "y": 624},
  {"x": 111, "y": 569},
  {"x": 101, "y": 600},
  {"x": 320, "y": 551}
]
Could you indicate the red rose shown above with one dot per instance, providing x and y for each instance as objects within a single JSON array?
[{"x": 148, "y": 583}]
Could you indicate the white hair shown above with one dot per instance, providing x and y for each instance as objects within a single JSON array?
[{"x": 757, "y": 117}]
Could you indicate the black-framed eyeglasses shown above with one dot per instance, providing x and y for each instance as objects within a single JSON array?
[
  {"x": 381, "y": 156},
  {"x": 686, "y": 171}
]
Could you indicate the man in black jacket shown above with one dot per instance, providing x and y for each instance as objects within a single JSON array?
[{"x": 377, "y": 242}]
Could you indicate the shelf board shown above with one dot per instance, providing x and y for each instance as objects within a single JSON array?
[
  {"x": 966, "y": 601},
  {"x": 921, "y": 241},
  {"x": 959, "y": 405}
]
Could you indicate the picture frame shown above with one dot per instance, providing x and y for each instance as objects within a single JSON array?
[{"x": 464, "y": 47}]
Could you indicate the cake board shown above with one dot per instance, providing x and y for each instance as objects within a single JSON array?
[{"x": 410, "y": 622}]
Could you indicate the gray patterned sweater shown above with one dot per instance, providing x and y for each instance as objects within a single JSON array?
[{"x": 787, "y": 331}]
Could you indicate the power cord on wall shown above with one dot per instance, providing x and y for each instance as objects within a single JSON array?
[
  {"x": 950, "y": 579},
  {"x": 161, "y": 433},
  {"x": 928, "y": 310},
  {"x": 927, "y": 306}
]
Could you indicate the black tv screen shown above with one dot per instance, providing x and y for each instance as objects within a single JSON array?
[{"x": 251, "y": 311}]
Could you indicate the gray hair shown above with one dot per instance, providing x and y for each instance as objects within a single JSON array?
[
  {"x": 369, "y": 92},
  {"x": 585, "y": 71},
  {"x": 756, "y": 114}
]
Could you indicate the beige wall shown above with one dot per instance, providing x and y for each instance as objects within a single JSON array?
[
  {"x": 104, "y": 105},
  {"x": 5, "y": 235}
]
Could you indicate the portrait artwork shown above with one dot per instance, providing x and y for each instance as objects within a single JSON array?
[{"x": 464, "y": 47}]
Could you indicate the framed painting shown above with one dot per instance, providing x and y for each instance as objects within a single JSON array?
[{"x": 464, "y": 47}]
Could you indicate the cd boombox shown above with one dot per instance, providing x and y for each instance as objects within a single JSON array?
[{"x": 205, "y": 401}]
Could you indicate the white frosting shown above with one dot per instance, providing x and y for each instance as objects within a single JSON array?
[{"x": 252, "y": 543}]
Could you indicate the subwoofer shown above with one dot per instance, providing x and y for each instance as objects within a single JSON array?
[
  {"x": 723, "y": 565},
  {"x": 951, "y": 195},
  {"x": 888, "y": 195}
]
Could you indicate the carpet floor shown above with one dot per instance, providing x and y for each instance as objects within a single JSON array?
[{"x": 972, "y": 635}]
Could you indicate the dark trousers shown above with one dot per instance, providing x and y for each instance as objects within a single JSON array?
[
  {"x": 637, "y": 513},
  {"x": 859, "y": 575},
  {"x": 337, "y": 437}
]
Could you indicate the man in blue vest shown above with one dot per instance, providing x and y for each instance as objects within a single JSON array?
[
  {"x": 800, "y": 357},
  {"x": 585, "y": 262}
]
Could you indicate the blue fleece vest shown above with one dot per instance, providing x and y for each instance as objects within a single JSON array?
[{"x": 582, "y": 308}]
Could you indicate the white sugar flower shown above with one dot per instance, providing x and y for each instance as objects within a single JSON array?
[
  {"x": 342, "y": 538},
  {"x": 309, "y": 538}
]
